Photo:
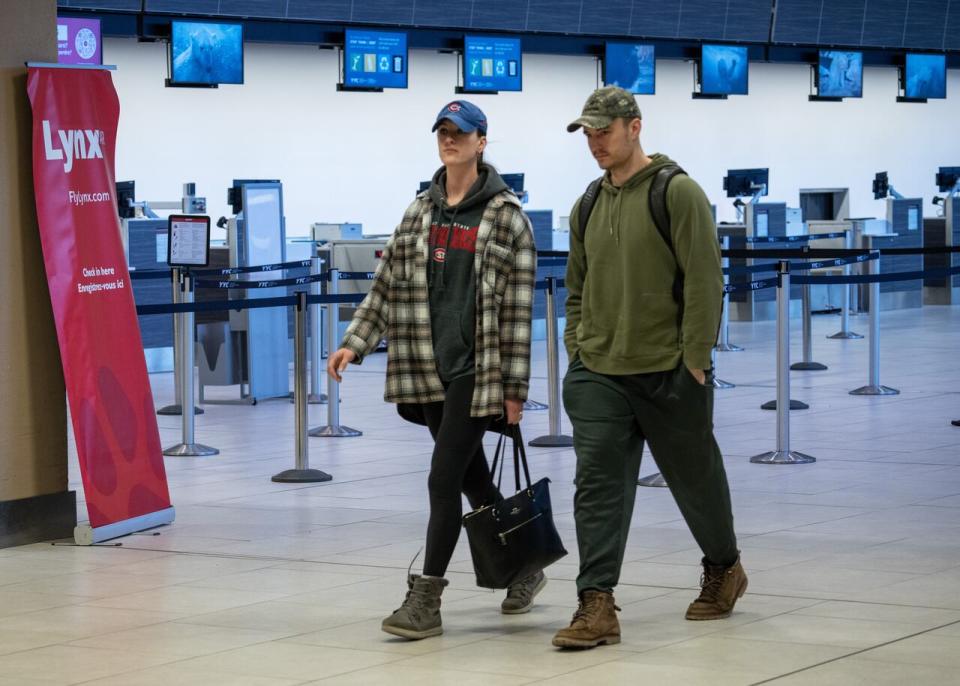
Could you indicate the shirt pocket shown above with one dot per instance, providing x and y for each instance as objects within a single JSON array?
[{"x": 496, "y": 265}]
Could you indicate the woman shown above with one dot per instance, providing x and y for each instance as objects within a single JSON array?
[{"x": 453, "y": 293}]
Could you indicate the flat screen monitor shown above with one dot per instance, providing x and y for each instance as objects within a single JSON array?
[
  {"x": 881, "y": 185},
  {"x": 492, "y": 63},
  {"x": 78, "y": 41},
  {"x": 514, "y": 181},
  {"x": 925, "y": 76},
  {"x": 947, "y": 178},
  {"x": 205, "y": 54},
  {"x": 374, "y": 59},
  {"x": 742, "y": 182},
  {"x": 631, "y": 66},
  {"x": 126, "y": 196},
  {"x": 840, "y": 74},
  {"x": 724, "y": 70},
  {"x": 235, "y": 192}
]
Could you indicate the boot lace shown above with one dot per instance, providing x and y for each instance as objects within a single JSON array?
[
  {"x": 588, "y": 608},
  {"x": 710, "y": 585}
]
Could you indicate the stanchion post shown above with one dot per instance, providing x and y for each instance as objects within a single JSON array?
[
  {"x": 301, "y": 473},
  {"x": 717, "y": 382},
  {"x": 725, "y": 346},
  {"x": 845, "y": 332},
  {"x": 187, "y": 448},
  {"x": 874, "y": 387},
  {"x": 554, "y": 439},
  {"x": 332, "y": 429},
  {"x": 783, "y": 454},
  {"x": 316, "y": 344},
  {"x": 807, "y": 364},
  {"x": 176, "y": 407}
]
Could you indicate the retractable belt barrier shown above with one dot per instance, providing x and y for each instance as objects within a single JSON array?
[{"x": 184, "y": 307}]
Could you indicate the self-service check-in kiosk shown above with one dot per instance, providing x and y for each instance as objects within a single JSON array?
[
  {"x": 250, "y": 348},
  {"x": 943, "y": 231}
]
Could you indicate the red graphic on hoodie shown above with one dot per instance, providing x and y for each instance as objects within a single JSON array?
[{"x": 463, "y": 238}]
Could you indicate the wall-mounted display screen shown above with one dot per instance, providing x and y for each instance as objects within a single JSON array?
[
  {"x": 204, "y": 53},
  {"x": 840, "y": 74},
  {"x": 374, "y": 59},
  {"x": 78, "y": 41},
  {"x": 492, "y": 63},
  {"x": 724, "y": 70},
  {"x": 925, "y": 76},
  {"x": 630, "y": 66}
]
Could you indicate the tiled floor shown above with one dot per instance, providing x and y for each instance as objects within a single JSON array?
[{"x": 854, "y": 561}]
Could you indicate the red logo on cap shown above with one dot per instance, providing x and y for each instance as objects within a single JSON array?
[{"x": 454, "y": 107}]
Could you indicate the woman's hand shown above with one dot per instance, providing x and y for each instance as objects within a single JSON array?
[
  {"x": 514, "y": 410},
  {"x": 338, "y": 361}
]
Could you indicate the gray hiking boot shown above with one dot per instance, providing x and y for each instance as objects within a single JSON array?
[
  {"x": 419, "y": 616},
  {"x": 521, "y": 594}
]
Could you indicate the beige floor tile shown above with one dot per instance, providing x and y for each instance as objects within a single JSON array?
[
  {"x": 180, "y": 675},
  {"x": 292, "y": 617},
  {"x": 860, "y": 672},
  {"x": 80, "y": 621},
  {"x": 926, "y": 649},
  {"x": 186, "y": 601},
  {"x": 179, "y": 640},
  {"x": 290, "y": 661},
  {"x": 394, "y": 674},
  {"x": 513, "y": 658},
  {"x": 853, "y": 633},
  {"x": 622, "y": 672},
  {"x": 72, "y": 664}
]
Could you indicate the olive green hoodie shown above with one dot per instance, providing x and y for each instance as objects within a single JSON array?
[{"x": 621, "y": 315}]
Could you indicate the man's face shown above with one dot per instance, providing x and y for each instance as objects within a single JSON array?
[
  {"x": 613, "y": 145},
  {"x": 455, "y": 146}
]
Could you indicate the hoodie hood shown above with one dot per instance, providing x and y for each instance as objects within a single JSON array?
[
  {"x": 613, "y": 207},
  {"x": 487, "y": 185}
]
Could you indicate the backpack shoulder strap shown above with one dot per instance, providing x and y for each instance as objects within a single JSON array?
[
  {"x": 658, "y": 202},
  {"x": 587, "y": 202}
]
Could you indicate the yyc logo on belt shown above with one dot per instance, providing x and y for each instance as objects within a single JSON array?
[{"x": 75, "y": 144}]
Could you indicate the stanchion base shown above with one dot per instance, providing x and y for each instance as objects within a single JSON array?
[
  {"x": 720, "y": 383},
  {"x": 301, "y": 476},
  {"x": 808, "y": 367},
  {"x": 782, "y": 457},
  {"x": 534, "y": 406},
  {"x": 314, "y": 399},
  {"x": 875, "y": 390},
  {"x": 551, "y": 441},
  {"x": 190, "y": 450},
  {"x": 794, "y": 405},
  {"x": 653, "y": 481},
  {"x": 847, "y": 335},
  {"x": 334, "y": 432},
  {"x": 176, "y": 410},
  {"x": 728, "y": 348}
]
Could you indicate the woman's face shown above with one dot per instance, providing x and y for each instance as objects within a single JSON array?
[{"x": 456, "y": 147}]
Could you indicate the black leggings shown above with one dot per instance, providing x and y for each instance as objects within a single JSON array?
[{"x": 458, "y": 466}]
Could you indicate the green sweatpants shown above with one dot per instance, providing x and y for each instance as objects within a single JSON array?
[{"x": 612, "y": 416}]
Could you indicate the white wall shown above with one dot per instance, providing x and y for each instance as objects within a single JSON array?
[{"x": 359, "y": 156}]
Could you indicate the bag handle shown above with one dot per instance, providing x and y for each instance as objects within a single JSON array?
[
  {"x": 497, "y": 455},
  {"x": 520, "y": 458}
]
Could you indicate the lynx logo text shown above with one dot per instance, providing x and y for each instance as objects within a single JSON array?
[{"x": 72, "y": 144}]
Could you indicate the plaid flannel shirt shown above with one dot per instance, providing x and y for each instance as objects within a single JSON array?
[{"x": 398, "y": 306}]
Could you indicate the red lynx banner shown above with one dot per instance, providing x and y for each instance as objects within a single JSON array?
[{"x": 75, "y": 114}]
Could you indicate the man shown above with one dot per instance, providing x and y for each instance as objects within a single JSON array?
[{"x": 640, "y": 368}]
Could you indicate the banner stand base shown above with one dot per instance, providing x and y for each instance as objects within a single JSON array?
[{"x": 84, "y": 534}]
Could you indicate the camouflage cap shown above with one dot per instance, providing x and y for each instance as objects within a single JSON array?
[{"x": 603, "y": 106}]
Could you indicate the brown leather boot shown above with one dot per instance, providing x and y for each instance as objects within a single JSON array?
[
  {"x": 594, "y": 623},
  {"x": 720, "y": 588}
]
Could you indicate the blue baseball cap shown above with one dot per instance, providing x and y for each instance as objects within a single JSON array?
[{"x": 467, "y": 116}]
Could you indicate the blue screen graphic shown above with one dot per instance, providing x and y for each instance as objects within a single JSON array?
[
  {"x": 723, "y": 70},
  {"x": 492, "y": 64},
  {"x": 926, "y": 76},
  {"x": 631, "y": 67},
  {"x": 206, "y": 53},
  {"x": 840, "y": 74},
  {"x": 375, "y": 59}
]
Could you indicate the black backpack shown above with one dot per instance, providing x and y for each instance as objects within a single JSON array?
[{"x": 661, "y": 218}]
